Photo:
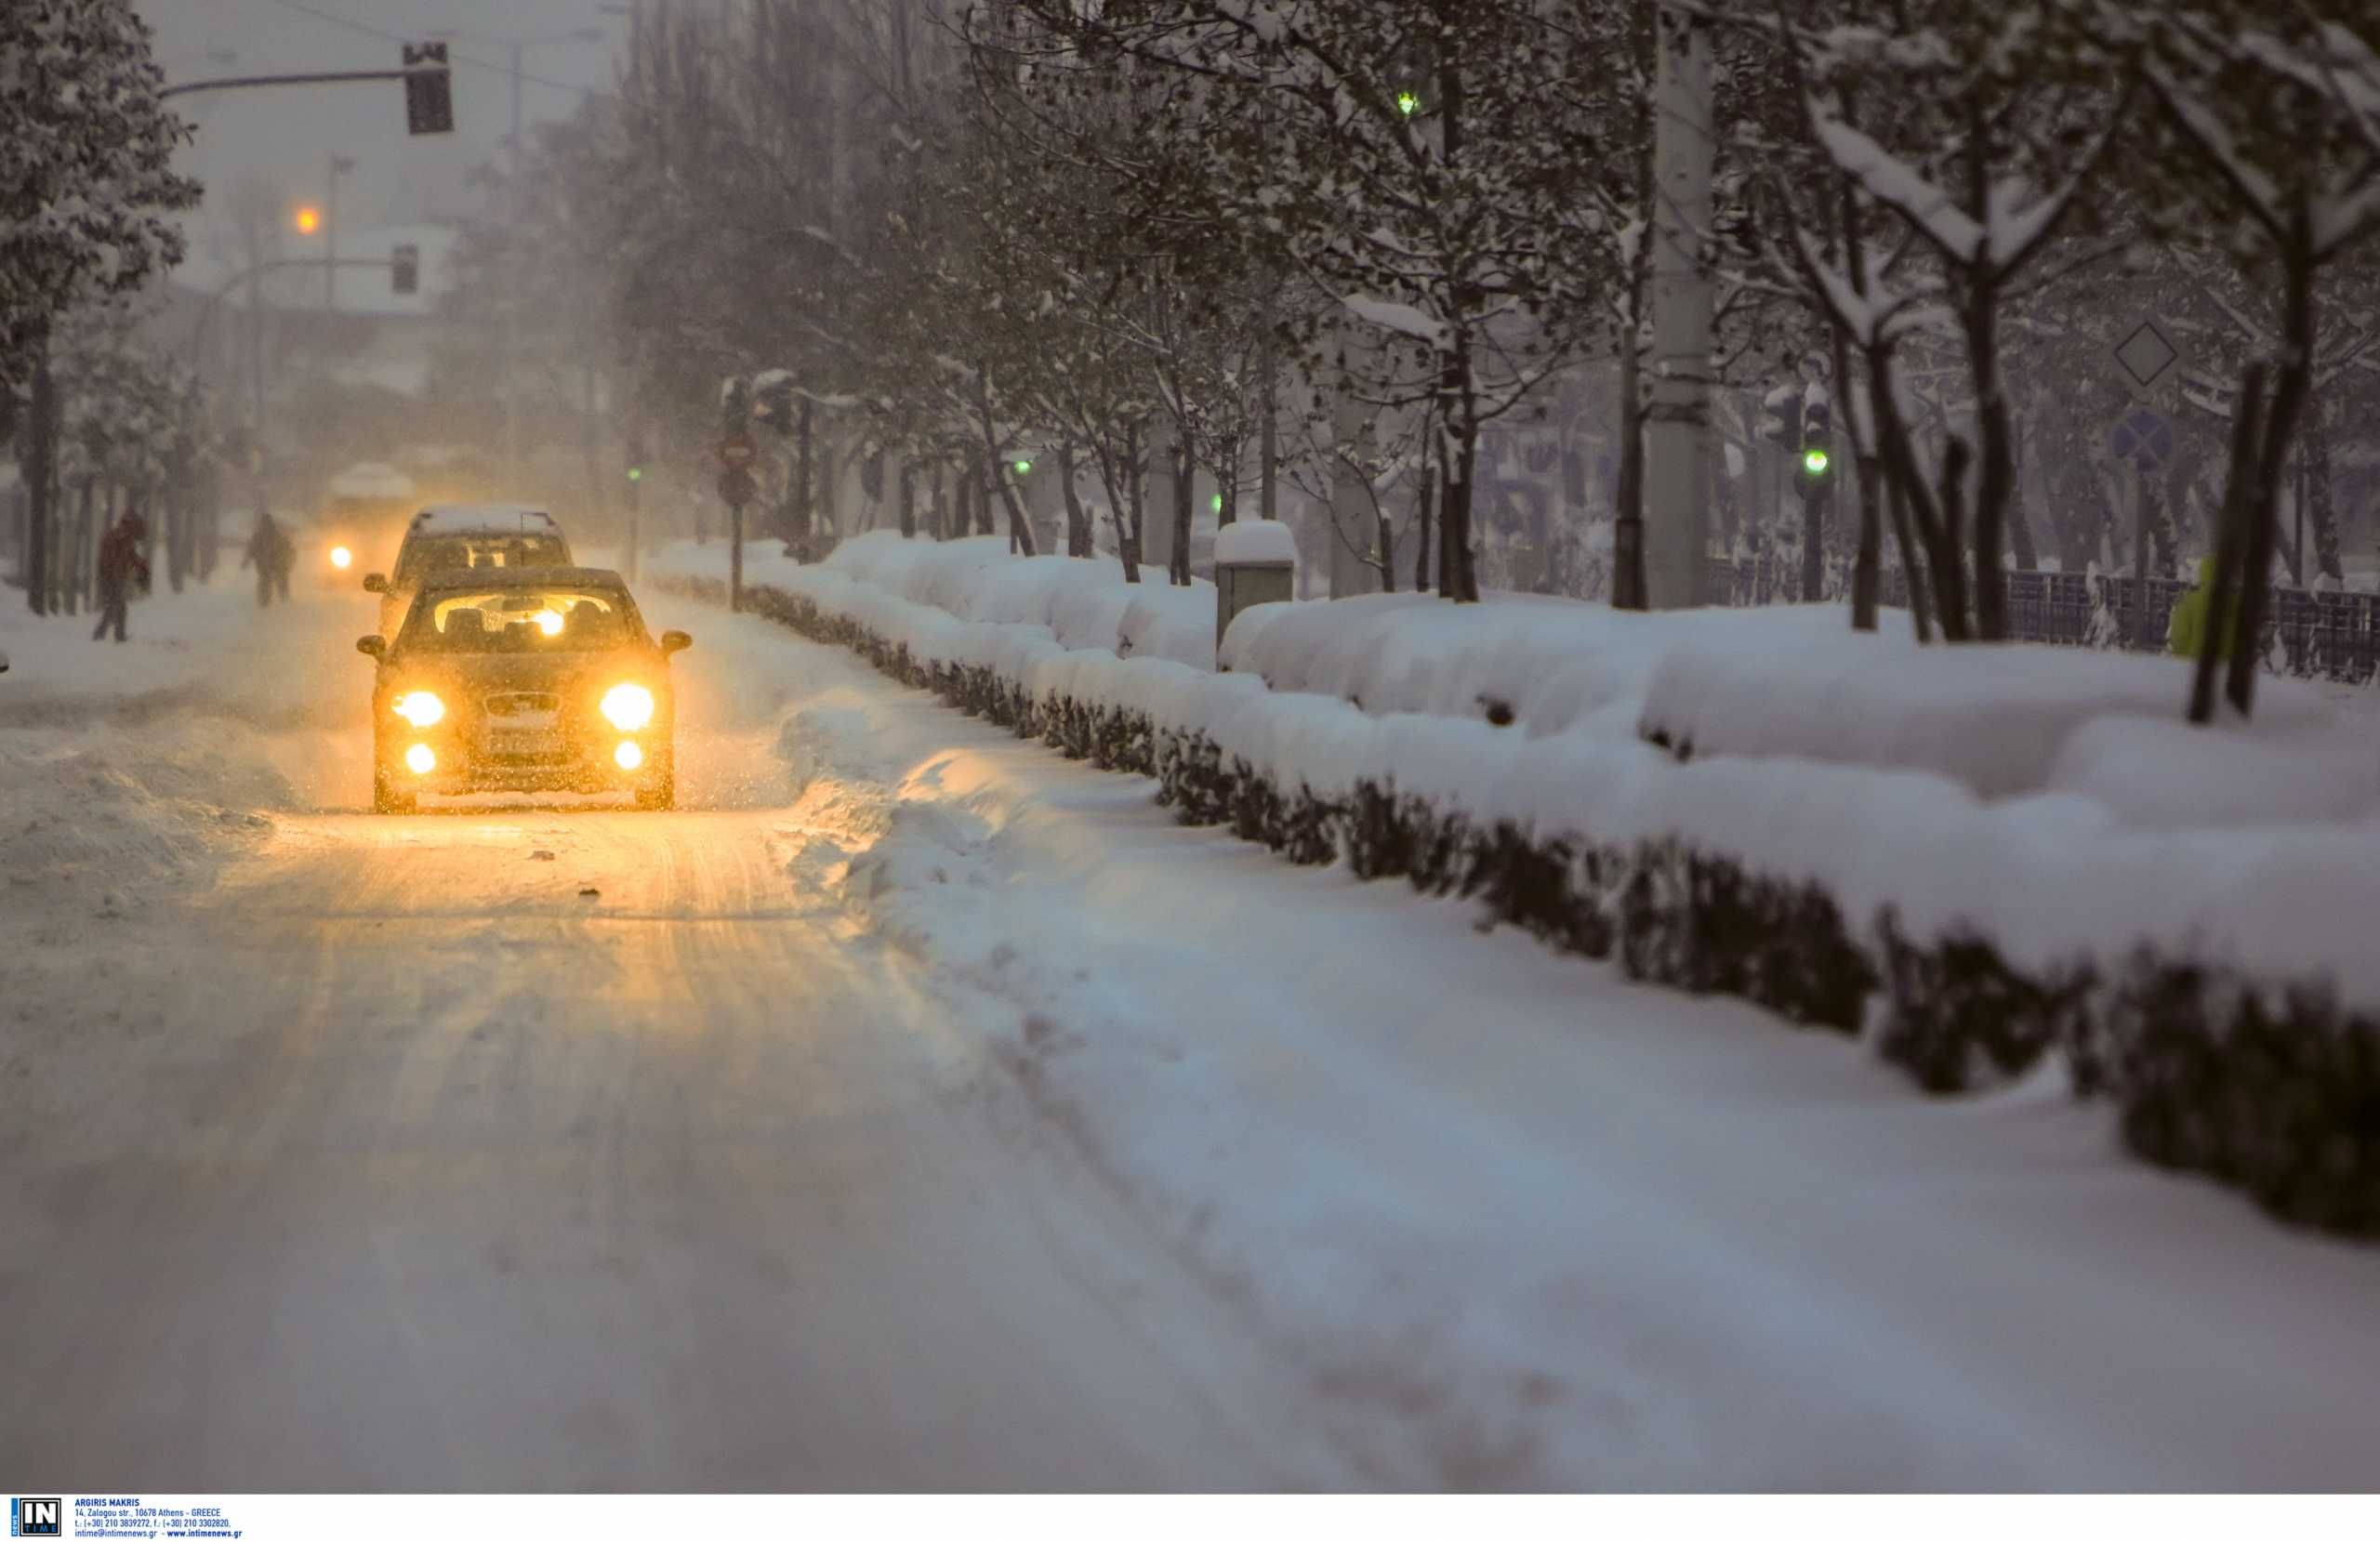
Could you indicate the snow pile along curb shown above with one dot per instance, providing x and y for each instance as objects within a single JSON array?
[{"x": 2213, "y": 981}]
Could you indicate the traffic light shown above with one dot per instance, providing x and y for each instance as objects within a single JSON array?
[
  {"x": 404, "y": 269},
  {"x": 429, "y": 92},
  {"x": 1778, "y": 411},
  {"x": 1817, "y": 437},
  {"x": 1023, "y": 466},
  {"x": 308, "y": 219},
  {"x": 1408, "y": 102}
]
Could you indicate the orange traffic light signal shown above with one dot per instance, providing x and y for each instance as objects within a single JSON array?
[{"x": 310, "y": 219}]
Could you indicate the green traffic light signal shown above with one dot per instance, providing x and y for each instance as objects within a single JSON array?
[
  {"x": 636, "y": 473},
  {"x": 1023, "y": 466},
  {"x": 1217, "y": 503},
  {"x": 1814, "y": 461},
  {"x": 1408, "y": 103}
]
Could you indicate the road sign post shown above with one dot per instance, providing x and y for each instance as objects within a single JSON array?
[
  {"x": 2142, "y": 440},
  {"x": 736, "y": 486}
]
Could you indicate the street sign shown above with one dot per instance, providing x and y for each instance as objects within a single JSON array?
[
  {"x": 736, "y": 486},
  {"x": 735, "y": 450},
  {"x": 2146, "y": 354},
  {"x": 2142, "y": 436},
  {"x": 429, "y": 91}
]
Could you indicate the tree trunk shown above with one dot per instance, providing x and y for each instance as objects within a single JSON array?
[
  {"x": 1991, "y": 484},
  {"x": 1078, "y": 539},
  {"x": 2020, "y": 530},
  {"x": 1425, "y": 509},
  {"x": 79, "y": 562},
  {"x": 829, "y": 495},
  {"x": 1132, "y": 508},
  {"x": 40, "y": 467},
  {"x": 1628, "y": 504},
  {"x": 804, "y": 507},
  {"x": 938, "y": 502},
  {"x": 2322, "y": 509},
  {"x": 908, "y": 495},
  {"x": 1866, "y": 563},
  {"x": 2280, "y": 422},
  {"x": 1177, "y": 564}
]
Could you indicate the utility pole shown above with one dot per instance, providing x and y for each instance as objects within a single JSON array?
[{"x": 1677, "y": 429}]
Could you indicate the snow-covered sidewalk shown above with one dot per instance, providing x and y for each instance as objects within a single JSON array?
[{"x": 1530, "y": 1224}]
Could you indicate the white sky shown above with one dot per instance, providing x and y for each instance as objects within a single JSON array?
[{"x": 283, "y": 136}]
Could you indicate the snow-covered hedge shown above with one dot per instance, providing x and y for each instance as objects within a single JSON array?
[{"x": 2215, "y": 982}]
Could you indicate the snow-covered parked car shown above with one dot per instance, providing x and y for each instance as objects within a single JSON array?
[
  {"x": 464, "y": 537},
  {"x": 523, "y": 680}
]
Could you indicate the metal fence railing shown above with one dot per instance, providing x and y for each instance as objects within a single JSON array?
[{"x": 2306, "y": 632}]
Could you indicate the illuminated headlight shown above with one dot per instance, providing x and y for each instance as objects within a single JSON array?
[
  {"x": 420, "y": 762},
  {"x": 548, "y": 622},
  {"x": 341, "y": 557},
  {"x": 420, "y": 708},
  {"x": 627, "y": 708},
  {"x": 627, "y": 756}
]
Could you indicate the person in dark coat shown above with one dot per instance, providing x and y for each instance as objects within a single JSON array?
[
  {"x": 120, "y": 562},
  {"x": 272, "y": 554}
]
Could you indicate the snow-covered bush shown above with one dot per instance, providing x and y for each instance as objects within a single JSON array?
[{"x": 2212, "y": 984}]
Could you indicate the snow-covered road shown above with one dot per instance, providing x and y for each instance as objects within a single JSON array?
[
  {"x": 349, "y": 1152},
  {"x": 917, "y": 1110}
]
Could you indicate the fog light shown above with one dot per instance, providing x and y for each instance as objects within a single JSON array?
[
  {"x": 341, "y": 557},
  {"x": 627, "y": 756},
  {"x": 420, "y": 762}
]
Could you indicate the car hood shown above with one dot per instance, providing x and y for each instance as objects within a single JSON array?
[{"x": 473, "y": 676}]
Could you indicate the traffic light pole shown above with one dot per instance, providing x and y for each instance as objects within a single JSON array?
[{"x": 320, "y": 77}]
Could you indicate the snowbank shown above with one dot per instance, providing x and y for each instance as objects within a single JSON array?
[{"x": 1995, "y": 717}]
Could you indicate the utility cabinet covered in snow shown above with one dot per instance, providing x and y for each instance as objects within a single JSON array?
[{"x": 1256, "y": 562}]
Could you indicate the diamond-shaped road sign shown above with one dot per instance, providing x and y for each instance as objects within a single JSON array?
[
  {"x": 2144, "y": 436},
  {"x": 2148, "y": 354}
]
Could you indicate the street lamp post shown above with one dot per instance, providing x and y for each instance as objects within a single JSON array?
[{"x": 339, "y": 166}]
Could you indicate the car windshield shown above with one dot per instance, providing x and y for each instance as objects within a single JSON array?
[
  {"x": 464, "y": 553},
  {"x": 536, "y": 620}
]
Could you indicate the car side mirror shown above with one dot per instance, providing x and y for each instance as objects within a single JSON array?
[
  {"x": 376, "y": 582},
  {"x": 375, "y": 645},
  {"x": 675, "y": 642}
]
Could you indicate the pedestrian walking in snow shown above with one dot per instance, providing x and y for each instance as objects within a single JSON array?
[
  {"x": 272, "y": 554},
  {"x": 120, "y": 563}
]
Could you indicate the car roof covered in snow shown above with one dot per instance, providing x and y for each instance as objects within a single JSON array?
[
  {"x": 484, "y": 518},
  {"x": 525, "y": 578}
]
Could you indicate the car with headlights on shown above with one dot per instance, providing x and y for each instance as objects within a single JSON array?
[
  {"x": 363, "y": 516},
  {"x": 523, "y": 680},
  {"x": 460, "y": 537}
]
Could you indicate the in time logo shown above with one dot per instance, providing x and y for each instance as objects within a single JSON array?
[{"x": 36, "y": 1517}]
